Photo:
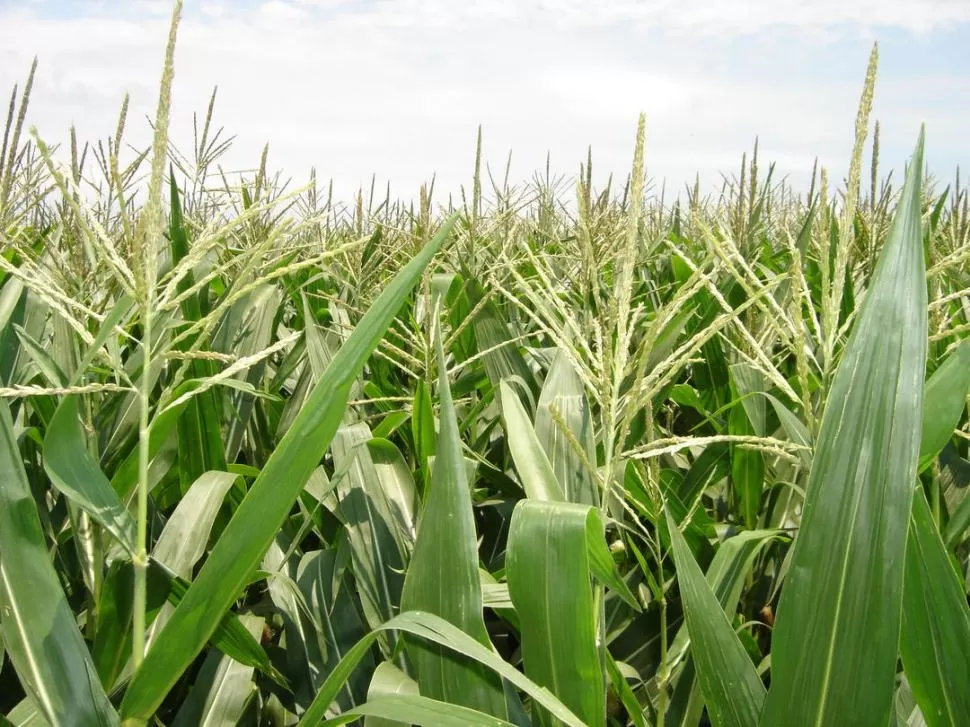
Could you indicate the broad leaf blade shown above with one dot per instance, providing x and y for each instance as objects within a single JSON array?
[
  {"x": 548, "y": 571},
  {"x": 446, "y": 552},
  {"x": 836, "y": 637},
  {"x": 563, "y": 402}
]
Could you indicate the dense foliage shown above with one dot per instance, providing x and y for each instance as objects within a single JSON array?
[{"x": 534, "y": 458}]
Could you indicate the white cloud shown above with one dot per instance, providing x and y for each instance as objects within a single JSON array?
[
  {"x": 282, "y": 10},
  {"x": 213, "y": 10},
  {"x": 398, "y": 87}
]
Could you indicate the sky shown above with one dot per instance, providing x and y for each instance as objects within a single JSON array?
[{"x": 398, "y": 88}]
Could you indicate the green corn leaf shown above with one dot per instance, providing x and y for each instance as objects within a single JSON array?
[
  {"x": 255, "y": 316},
  {"x": 747, "y": 468},
  {"x": 200, "y": 446},
  {"x": 732, "y": 690},
  {"x": 222, "y": 689},
  {"x": 944, "y": 402},
  {"x": 13, "y": 300},
  {"x": 112, "y": 635},
  {"x": 797, "y": 432},
  {"x": 76, "y": 473},
  {"x": 184, "y": 538},
  {"x": 230, "y": 636},
  {"x": 548, "y": 570},
  {"x": 538, "y": 478},
  {"x": 563, "y": 398},
  {"x": 436, "y": 630},
  {"x": 338, "y": 625},
  {"x": 601, "y": 562},
  {"x": 501, "y": 354},
  {"x": 935, "y": 641},
  {"x": 446, "y": 551},
  {"x": 39, "y": 631},
  {"x": 624, "y": 692},
  {"x": 26, "y": 714},
  {"x": 388, "y": 681},
  {"x": 422, "y": 424},
  {"x": 398, "y": 485},
  {"x": 418, "y": 710},
  {"x": 726, "y": 576},
  {"x": 836, "y": 637},
  {"x": 378, "y": 546},
  {"x": 116, "y": 315},
  {"x": 251, "y": 531},
  {"x": 48, "y": 367}
]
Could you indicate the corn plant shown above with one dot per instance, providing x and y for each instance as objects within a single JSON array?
[{"x": 528, "y": 459}]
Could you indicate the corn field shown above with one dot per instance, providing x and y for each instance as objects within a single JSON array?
[{"x": 540, "y": 455}]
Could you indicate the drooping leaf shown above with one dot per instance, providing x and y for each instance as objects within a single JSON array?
[
  {"x": 76, "y": 473},
  {"x": 39, "y": 631},
  {"x": 439, "y": 631}
]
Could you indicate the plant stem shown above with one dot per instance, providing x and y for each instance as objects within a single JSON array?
[
  {"x": 662, "y": 674},
  {"x": 141, "y": 555}
]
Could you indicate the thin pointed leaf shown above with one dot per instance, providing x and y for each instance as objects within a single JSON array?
[
  {"x": 944, "y": 402},
  {"x": 732, "y": 690},
  {"x": 535, "y": 471},
  {"x": 935, "y": 642}
]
